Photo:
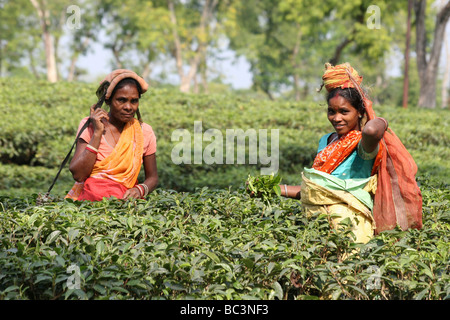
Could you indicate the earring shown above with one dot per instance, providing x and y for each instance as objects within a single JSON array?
[{"x": 360, "y": 116}]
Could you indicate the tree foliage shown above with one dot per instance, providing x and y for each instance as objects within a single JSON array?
[{"x": 286, "y": 42}]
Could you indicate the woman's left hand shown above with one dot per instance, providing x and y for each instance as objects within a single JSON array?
[{"x": 132, "y": 193}]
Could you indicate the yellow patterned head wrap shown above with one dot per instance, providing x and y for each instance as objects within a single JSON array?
[{"x": 342, "y": 75}]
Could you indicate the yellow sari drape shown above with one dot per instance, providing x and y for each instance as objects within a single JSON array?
[{"x": 124, "y": 162}]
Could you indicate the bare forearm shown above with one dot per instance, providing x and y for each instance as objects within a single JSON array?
[
  {"x": 151, "y": 183},
  {"x": 151, "y": 172},
  {"x": 290, "y": 191},
  {"x": 372, "y": 133},
  {"x": 84, "y": 160},
  {"x": 81, "y": 167}
]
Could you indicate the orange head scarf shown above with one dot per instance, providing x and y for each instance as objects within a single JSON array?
[
  {"x": 116, "y": 76},
  {"x": 340, "y": 76}
]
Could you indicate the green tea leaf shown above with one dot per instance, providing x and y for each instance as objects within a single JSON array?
[
  {"x": 52, "y": 236},
  {"x": 100, "y": 246},
  {"x": 278, "y": 290},
  {"x": 212, "y": 255}
]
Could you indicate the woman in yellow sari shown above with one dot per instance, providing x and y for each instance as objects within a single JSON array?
[
  {"x": 346, "y": 172},
  {"x": 110, "y": 152}
]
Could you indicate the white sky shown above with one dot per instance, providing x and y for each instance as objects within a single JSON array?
[{"x": 234, "y": 70}]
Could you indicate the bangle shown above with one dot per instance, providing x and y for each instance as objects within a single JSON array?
[
  {"x": 285, "y": 190},
  {"x": 145, "y": 187},
  {"x": 141, "y": 189},
  {"x": 385, "y": 122},
  {"x": 91, "y": 149},
  {"x": 89, "y": 146}
]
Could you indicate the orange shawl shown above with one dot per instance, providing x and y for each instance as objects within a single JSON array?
[
  {"x": 398, "y": 200},
  {"x": 124, "y": 162},
  {"x": 336, "y": 152}
]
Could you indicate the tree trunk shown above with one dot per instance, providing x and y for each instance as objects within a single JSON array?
[
  {"x": 186, "y": 79},
  {"x": 176, "y": 41},
  {"x": 428, "y": 68},
  {"x": 196, "y": 86},
  {"x": 116, "y": 49},
  {"x": 56, "y": 39},
  {"x": 408, "y": 40},
  {"x": 33, "y": 64},
  {"x": 192, "y": 73},
  {"x": 295, "y": 65},
  {"x": 297, "y": 87},
  {"x": 73, "y": 61},
  {"x": 204, "y": 81},
  {"x": 146, "y": 71},
  {"x": 445, "y": 80},
  {"x": 1, "y": 57},
  {"x": 50, "y": 59},
  {"x": 378, "y": 84}
]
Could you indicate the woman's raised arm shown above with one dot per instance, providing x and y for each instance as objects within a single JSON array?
[{"x": 372, "y": 133}]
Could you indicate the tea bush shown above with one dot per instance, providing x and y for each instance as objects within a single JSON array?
[{"x": 213, "y": 244}]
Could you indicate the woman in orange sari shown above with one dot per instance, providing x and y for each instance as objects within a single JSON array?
[
  {"x": 110, "y": 152},
  {"x": 361, "y": 171}
]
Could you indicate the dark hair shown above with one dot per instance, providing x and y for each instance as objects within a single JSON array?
[
  {"x": 124, "y": 82},
  {"x": 351, "y": 95}
]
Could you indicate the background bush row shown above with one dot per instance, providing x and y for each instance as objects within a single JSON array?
[{"x": 40, "y": 120}]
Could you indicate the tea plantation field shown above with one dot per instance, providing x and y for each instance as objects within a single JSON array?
[{"x": 199, "y": 235}]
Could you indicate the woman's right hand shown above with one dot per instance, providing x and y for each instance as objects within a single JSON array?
[{"x": 98, "y": 118}]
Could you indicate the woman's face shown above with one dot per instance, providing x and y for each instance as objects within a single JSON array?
[
  {"x": 124, "y": 103},
  {"x": 342, "y": 115}
]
